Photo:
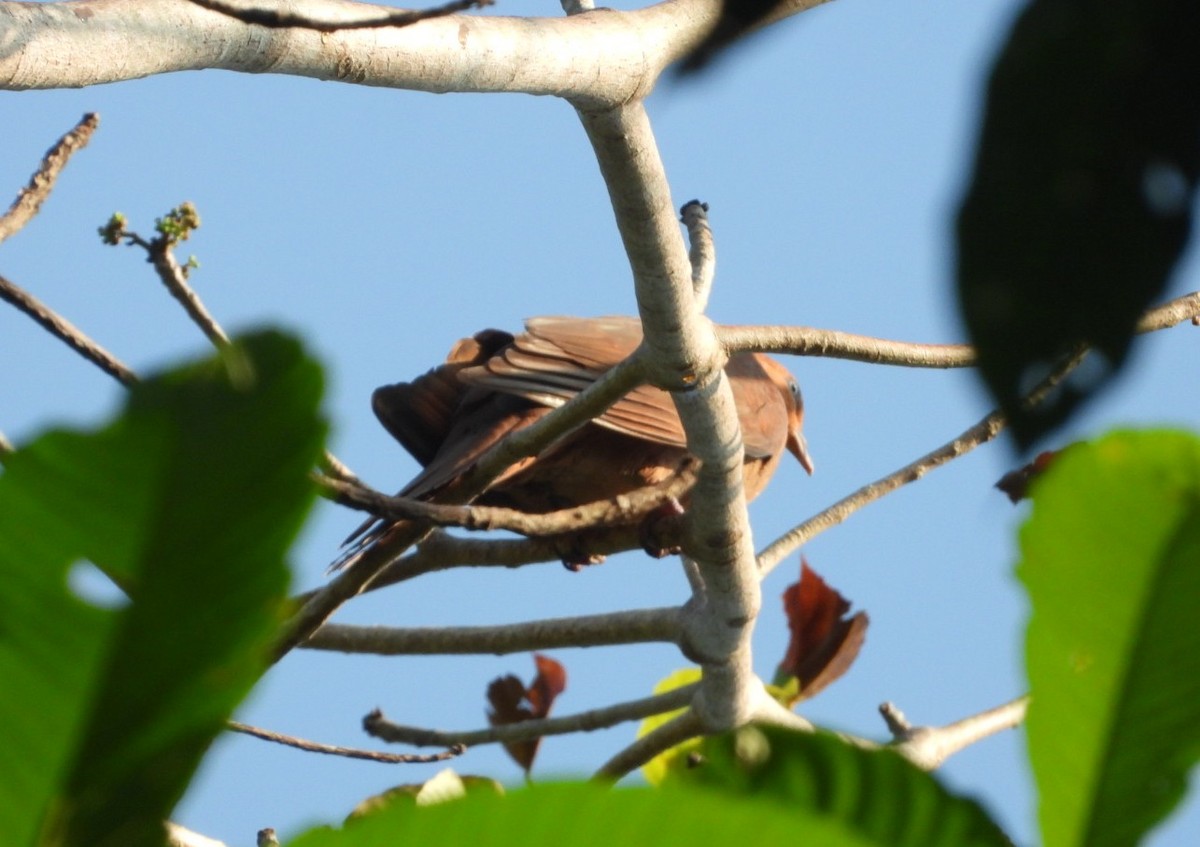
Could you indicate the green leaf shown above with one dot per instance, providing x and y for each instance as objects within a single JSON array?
[
  {"x": 661, "y": 766},
  {"x": 584, "y": 815},
  {"x": 1111, "y": 559},
  {"x": 189, "y": 500},
  {"x": 877, "y": 796}
]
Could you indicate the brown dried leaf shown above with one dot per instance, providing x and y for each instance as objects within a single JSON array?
[
  {"x": 511, "y": 702},
  {"x": 824, "y": 643}
]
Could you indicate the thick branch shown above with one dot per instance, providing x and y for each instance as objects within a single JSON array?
[
  {"x": 601, "y": 57},
  {"x": 275, "y": 15},
  {"x": 686, "y": 360}
]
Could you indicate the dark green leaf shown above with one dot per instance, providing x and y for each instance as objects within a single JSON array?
[
  {"x": 1080, "y": 202},
  {"x": 190, "y": 500},
  {"x": 1111, "y": 558}
]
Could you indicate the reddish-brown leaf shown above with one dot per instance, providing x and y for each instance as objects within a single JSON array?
[
  {"x": 824, "y": 643},
  {"x": 511, "y": 702},
  {"x": 1016, "y": 483}
]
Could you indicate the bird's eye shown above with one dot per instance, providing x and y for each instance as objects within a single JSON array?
[{"x": 794, "y": 387}]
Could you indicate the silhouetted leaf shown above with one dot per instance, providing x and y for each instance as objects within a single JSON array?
[{"x": 1080, "y": 202}]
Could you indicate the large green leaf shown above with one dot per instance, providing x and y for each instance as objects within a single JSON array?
[
  {"x": 189, "y": 499},
  {"x": 758, "y": 785},
  {"x": 582, "y": 815},
  {"x": 877, "y": 795},
  {"x": 1111, "y": 558}
]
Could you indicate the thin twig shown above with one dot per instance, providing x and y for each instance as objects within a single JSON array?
[
  {"x": 617, "y": 511},
  {"x": 278, "y": 18},
  {"x": 348, "y": 752},
  {"x": 30, "y": 198},
  {"x": 1167, "y": 315},
  {"x": 380, "y": 727},
  {"x": 67, "y": 332},
  {"x": 635, "y": 626},
  {"x": 981, "y": 433},
  {"x": 175, "y": 281}
]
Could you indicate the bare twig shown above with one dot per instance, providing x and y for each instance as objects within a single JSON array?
[
  {"x": 348, "y": 752},
  {"x": 175, "y": 280},
  {"x": 620, "y": 510},
  {"x": 636, "y": 626},
  {"x": 928, "y": 747},
  {"x": 1169, "y": 314},
  {"x": 380, "y": 727},
  {"x": 277, "y": 17},
  {"x": 30, "y": 198},
  {"x": 67, "y": 332},
  {"x": 981, "y": 433}
]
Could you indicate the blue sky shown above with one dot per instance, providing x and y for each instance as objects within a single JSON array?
[{"x": 384, "y": 225}]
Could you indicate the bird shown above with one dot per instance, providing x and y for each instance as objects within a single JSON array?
[{"x": 496, "y": 383}]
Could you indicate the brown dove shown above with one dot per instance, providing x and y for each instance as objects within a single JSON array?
[{"x": 493, "y": 384}]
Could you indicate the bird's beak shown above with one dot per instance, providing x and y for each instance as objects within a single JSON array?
[{"x": 798, "y": 447}]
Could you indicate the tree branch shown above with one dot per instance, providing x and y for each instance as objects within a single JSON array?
[
  {"x": 66, "y": 332},
  {"x": 928, "y": 747},
  {"x": 637, "y": 626},
  {"x": 380, "y": 727},
  {"x": 604, "y": 58},
  {"x": 1169, "y": 314},
  {"x": 658, "y": 740},
  {"x": 276, "y": 16},
  {"x": 30, "y": 198},
  {"x": 617, "y": 511},
  {"x": 348, "y": 752}
]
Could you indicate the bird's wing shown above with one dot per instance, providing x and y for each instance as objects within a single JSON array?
[
  {"x": 419, "y": 414},
  {"x": 557, "y": 357}
]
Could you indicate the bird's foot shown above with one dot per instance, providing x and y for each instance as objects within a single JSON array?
[
  {"x": 652, "y": 526},
  {"x": 574, "y": 556}
]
